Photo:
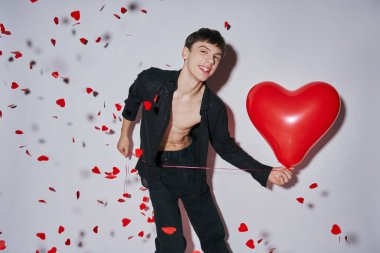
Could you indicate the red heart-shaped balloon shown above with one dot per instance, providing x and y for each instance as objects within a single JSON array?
[{"x": 292, "y": 121}]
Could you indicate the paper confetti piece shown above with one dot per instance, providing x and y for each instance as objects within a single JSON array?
[
  {"x": 17, "y": 54},
  {"x": 96, "y": 170},
  {"x": 61, "y": 229},
  {"x": 42, "y": 236},
  {"x": 250, "y": 244},
  {"x": 67, "y": 242},
  {"x": 3, "y": 245},
  {"x": 3, "y": 30},
  {"x": 335, "y": 230},
  {"x": 56, "y": 20},
  {"x": 52, "y": 189},
  {"x": 75, "y": 15},
  {"x": 147, "y": 105},
  {"x": 169, "y": 230},
  {"x": 53, "y": 41},
  {"x": 123, "y": 10},
  {"x": 83, "y": 40},
  {"x": 138, "y": 152},
  {"x": 243, "y": 228},
  {"x": 227, "y": 25},
  {"x": 301, "y": 200},
  {"x": 141, "y": 234},
  {"x": 55, "y": 74},
  {"x": 144, "y": 11},
  {"x": 118, "y": 107},
  {"x": 78, "y": 194},
  {"x": 14, "y": 85},
  {"x": 61, "y": 102},
  {"x": 43, "y": 158},
  {"x": 19, "y": 132},
  {"x": 126, "y": 221},
  {"x": 313, "y": 186},
  {"x": 95, "y": 229},
  {"x": 52, "y": 250}
]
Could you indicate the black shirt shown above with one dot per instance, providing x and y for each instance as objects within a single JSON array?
[{"x": 157, "y": 87}]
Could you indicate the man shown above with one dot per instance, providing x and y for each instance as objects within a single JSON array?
[{"x": 181, "y": 116}]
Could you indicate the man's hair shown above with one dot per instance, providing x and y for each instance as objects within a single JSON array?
[{"x": 206, "y": 35}]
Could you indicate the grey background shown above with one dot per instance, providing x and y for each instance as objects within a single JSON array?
[{"x": 288, "y": 42}]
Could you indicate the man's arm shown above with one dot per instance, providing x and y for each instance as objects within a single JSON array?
[
  {"x": 131, "y": 107},
  {"x": 124, "y": 144},
  {"x": 227, "y": 148}
]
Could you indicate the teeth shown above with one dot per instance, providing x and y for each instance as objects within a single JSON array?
[{"x": 204, "y": 69}]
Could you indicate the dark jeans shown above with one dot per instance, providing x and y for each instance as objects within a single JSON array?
[{"x": 191, "y": 187}]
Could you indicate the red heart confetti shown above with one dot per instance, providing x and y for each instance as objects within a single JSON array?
[
  {"x": 123, "y": 10},
  {"x": 169, "y": 230},
  {"x": 141, "y": 234},
  {"x": 67, "y": 242},
  {"x": 133, "y": 170},
  {"x": 115, "y": 171},
  {"x": 145, "y": 199},
  {"x": 43, "y": 158},
  {"x": 83, "y": 40},
  {"x": 55, "y": 74},
  {"x": 2, "y": 245},
  {"x": 3, "y": 30},
  {"x": 150, "y": 219},
  {"x": 111, "y": 176},
  {"x": 121, "y": 200},
  {"x": 78, "y": 194},
  {"x": 51, "y": 189},
  {"x": 95, "y": 229},
  {"x": 227, "y": 25},
  {"x": 243, "y": 228},
  {"x": 61, "y": 229},
  {"x": 118, "y": 107},
  {"x": 98, "y": 40},
  {"x": 42, "y": 201},
  {"x": 33, "y": 1},
  {"x": 143, "y": 206},
  {"x": 17, "y": 54},
  {"x": 52, "y": 250},
  {"x": 61, "y": 102},
  {"x": 250, "y": 244},
  {"x": 313, "y": 186},
  {"x": 335, "y": 230},
  {"x": 126, "y": 221},
  {"x": 56, "y": 20},
  {"x": 301, "y": 200},
  {"x": 259, "y": 241},
  {"x": 147, "y": 105},
  {"x": 19, "y": 132},
  {"x": 138, "y": 152},
  {"x": 126, "y": 195},
  {"x": 144, "y": 11},
  {"x": 96, "y": 170},
  {"x": 53, "y": 41},
  {"x": 42, "y": 236},
  {"x": 14, "y": 85},
  {"x": 104, "y": 128},
  {"x": 88, "y": 90},
  {"x": 75, "y": 15}
]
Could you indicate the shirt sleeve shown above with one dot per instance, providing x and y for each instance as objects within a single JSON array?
[
  {"x": 227, "y": 148},
  {"x": 134, "y": 99}
]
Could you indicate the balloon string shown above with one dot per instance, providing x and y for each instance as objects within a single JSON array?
[{"x": 204, "y": 167}]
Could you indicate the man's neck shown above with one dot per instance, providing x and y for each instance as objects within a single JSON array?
[{"x": 188, "y": 86}]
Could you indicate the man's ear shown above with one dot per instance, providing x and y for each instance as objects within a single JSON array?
[{"x": 185, "y": 53}]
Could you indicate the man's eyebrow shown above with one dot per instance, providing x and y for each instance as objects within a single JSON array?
[{"x": 209, "y": 49}]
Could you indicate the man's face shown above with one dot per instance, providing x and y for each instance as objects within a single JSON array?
[{"x": 202, "y": 59}]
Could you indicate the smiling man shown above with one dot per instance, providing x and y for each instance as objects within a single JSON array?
[{"x": 182, "y": 115}]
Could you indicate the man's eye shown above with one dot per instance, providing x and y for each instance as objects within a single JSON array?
[{"x": 203, "y": 51}]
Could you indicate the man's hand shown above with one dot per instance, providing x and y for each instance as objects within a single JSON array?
[
  {"x": 280, "y": 175},
  {"x": 124, "y": 145}
]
